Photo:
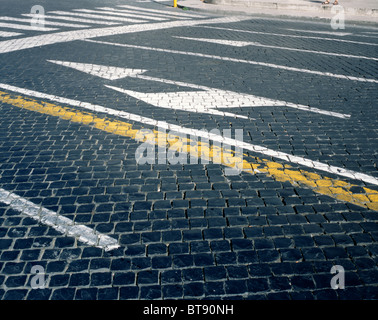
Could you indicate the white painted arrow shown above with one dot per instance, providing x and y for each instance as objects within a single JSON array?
[
  {"x": 195, "y": 101},
  {"x": 202, "y": 100},
  {"x": 105, "y": 72}
]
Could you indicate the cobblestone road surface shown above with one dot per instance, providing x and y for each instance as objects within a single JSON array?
[{"x": 77, "y": 206}]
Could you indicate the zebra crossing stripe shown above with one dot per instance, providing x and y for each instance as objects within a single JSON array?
[
  {"x": 60, "y": 24},
  {"x": 82, "y": 34},
  {"x": 165, "y": 13},
  {"x": 25, "y": 27},
  {"x": 5, "y": 34},
  {"x": 132, "y": 11},
  {"x": 120, "y": 14},
  {"x": 73, "y": 19},
  {"x": 96, "y": 16}
]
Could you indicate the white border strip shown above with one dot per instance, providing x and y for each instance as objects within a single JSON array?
[
  {"x": 234, "y": 43},
  {"x": 199, "y": 133},
  {"x": 58, "y": 222},
  {"x": 251, "y": 62}
]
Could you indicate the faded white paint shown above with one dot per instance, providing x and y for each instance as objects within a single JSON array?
[
  {"x": 51, "y": 23},
  {"x": 111, "y": 13},
  {"x": 25, "y": 27},
  {"x": 60, "y": 223},
  {"x": 96, "y": 16},
  {"x": 105, "y": 72},
  {"x": 251, "y": 62},
  {"x": 208, "y": 100},
  {"x": 67, "y": 36},
  {"x": 292, "y": 35},
  {"x": 234, "y": 43}
]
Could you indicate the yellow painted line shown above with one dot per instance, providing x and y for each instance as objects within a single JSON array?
[{"x": 335, "y": 188}]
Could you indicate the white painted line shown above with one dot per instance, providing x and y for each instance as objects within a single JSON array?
[
  {"x": 339, "y": 34},
  {"x": 60, "y": 24},
  {"x": 165, "y": 13},
  {"x": 199, "y": 133},
  {"x": 207, "y": 100},
  {"x": 111, "y": 13},
  {"x": 133, "y": 11},
  {"x": 58, "y": 222},
  {"x": 6, "y": 34},
  {"x": 96, "y": 16},
  {"x": 258, "y": 63},
  {"x": 73, "y": 19},
  {"x": 234, "y": 43},
  {"x": 25, "y": 27},
  {"x": 293, "y": 36},
  {"x": 68, "y": 36}
]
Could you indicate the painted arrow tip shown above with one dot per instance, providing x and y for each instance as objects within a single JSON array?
[
  {"x": 105, "y": 72},
  {"x": 178, "y": 101}
]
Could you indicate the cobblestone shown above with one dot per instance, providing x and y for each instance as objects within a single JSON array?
[{"x": 190, "y": 230}]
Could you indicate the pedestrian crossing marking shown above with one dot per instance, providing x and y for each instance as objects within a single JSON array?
[
  {"x": 73, "y": 19},
  {"x": 120, "y": 14},
  {"x": 145, "y": 14},
  {"x": 95, "y": 16},
  {"x": 87, "y": 18},
  {"x": 166, "y": 13},
  {"x": 25, "y": 27},
  {"x": 60, "y": 24},
  {"x": 6, "y": 34}
]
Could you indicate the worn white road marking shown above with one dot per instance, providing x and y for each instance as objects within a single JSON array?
[
  {"x": 208, "y": 100},
  {"x": 6, "y": 34},
  {"x": 191, "y": 101},
  {"x": 234, "y": 43},
  {"x": 165, "y": 13},
  {"x": 25, "y": 27},
  {"x": 73, "y": 19},
  {"x": 110, "y": 13},
  {"x": 50, "y": 23},
  {"x": 293, "y": 36},
  {"x": 58, "y": 222},
  {"x": 108, "y": 9},
  {"x": 316, "y": 165},
  {"x": 339, "y": 34},
  {"x": 96, "y": 16},
  {"x": 264, "y": 64},
  {"x": 67, "y": 36}
]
